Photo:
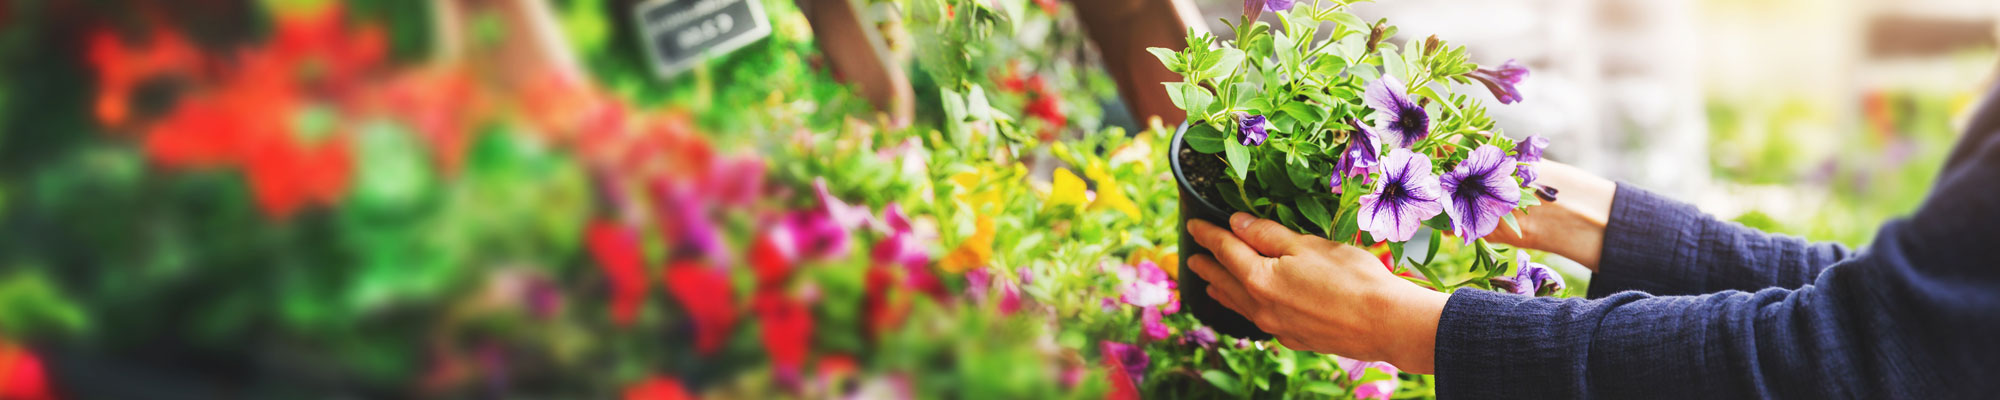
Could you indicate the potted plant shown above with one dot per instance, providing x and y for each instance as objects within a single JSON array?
[{"x": 1349, "y": 137}]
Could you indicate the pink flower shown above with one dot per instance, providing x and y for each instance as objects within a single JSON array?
[
  {"x": 1378, "y": 390},
  {"x": 1010, "y": 297},
  {"x": 1155, "y": 330},
  {"x": 1356, "y": 368},
  {"x": 1146, "y": 285}
]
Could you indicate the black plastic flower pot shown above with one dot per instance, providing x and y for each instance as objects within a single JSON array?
[{"x": 1194, "y": 289}]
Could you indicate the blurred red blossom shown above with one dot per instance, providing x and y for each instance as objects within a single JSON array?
[
  {"x": 21, "y": 374},
  {"x": 705, "y": 294},
  {"x": 788, "y": 328},
  {"x": 657, "y": 388},
  {"x": 616, "y": 249}
]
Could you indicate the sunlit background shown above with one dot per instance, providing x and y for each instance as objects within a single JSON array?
[{"x": 502, "y": 198}]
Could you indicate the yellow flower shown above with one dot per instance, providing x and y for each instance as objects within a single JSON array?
[
  {"x": 1067, "y": 190},
  {"x": 976, "y": 251},
  {"x": 1109, "y": 194}
]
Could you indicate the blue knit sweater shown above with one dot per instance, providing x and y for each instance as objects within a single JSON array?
[{"x": 1687, "y": 306}]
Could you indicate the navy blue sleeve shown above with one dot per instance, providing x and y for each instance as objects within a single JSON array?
[
  {"x": 1664, "y": 247},
  {"x": 1914, "y": 315}
]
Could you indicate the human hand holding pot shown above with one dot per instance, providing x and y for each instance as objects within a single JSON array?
[{"x": 1317, "y": 295}]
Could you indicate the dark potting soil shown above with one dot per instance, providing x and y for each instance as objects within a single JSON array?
[{"x": 1204, "y": 172}]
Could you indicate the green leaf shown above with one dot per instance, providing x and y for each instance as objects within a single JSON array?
[
  {"x": 1233, "y": 197},
  {"x": 1511, "y": 223},
  {"x": 1396, "y": 252},
  {"x": 1239, "y": 158},
  {"x": 1169, "y": 58},
  {"x": 1195, "y": 99},
  {"x": 975, "y": 104},
  {"x": 1343, "y": 230},
  {"x": 1316, "y": 212},
  {"x": 1307, "y": 178},
  {"x": 1437, "y": 241},
  {"x": 1204, "y": 138},
  {"x": 1243, "y": 93},
  {"x": 1349, "y": 21},
  {"x": 1392, "y": 64},
  {"x": 1223, "y": 381},
  {"x": 1225, "y": 63}
]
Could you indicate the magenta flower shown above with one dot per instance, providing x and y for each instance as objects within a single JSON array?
[
  {"x": 1502, "y": 81},
  {"x": 1363, "y": 154},
  {"x": 684, "y": 220},
  {"x": 1530, "y": 278},
  {"x": 1482, "y": 190},
  {"x": 847, "y": 216},
  {"x": 1398, "y": 119},
  {"x": 1252, "y": 130},
  {"x": 817, "y": 236},
  {"x": 1408, "y": 195},
  {"x": 1377, "y": 390},
  {"x": 1010, "y": 296},
  {"x": 1154, "y": 328},
  {"x": 1130, "y": 358},
  {"x": 1527, "y": 152},
  {"x": 902, "y": 246},
  {"x": 1145, "y": 285}
]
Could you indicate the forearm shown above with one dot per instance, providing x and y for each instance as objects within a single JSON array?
[{"x": 1573, "y": 225}]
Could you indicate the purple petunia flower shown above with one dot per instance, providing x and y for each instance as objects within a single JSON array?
[
  {"x": 1203, "y": 337},
  {"x": 1502, "y": 81},
  {"x": 1154, "y": 328},
  {"x": 1252, "y": 130},
  {"x": 1480, "y": 191},
  {"x": 1278, "y": 5},
  {"x": 1398, "y": 119},
  {"x": 1408, "y": 195},
  {"x": 1530, "y": 278},
  {"x": 1527, "y": 152},
  {"x": 1363, "y": 154},
  {"x": 1128, "y": 357}
]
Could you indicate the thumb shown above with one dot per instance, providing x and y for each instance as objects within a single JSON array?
[{"x": 1270, "y": 238}]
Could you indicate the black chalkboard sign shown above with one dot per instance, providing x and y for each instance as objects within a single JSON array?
[{"x": 679, "y": 34}]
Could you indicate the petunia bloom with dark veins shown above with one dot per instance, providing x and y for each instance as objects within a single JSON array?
[
  {"x": 1501, "y": 81},
  {"x": 1530, "y": 278},
  {"x": 1252, "y": 130},
  {"x": 1527, "y": 152},
  {"x": 1408, "y": 195},
  {"x": 1480, "y": 191},
  {"x": 1363, "y": 154},
  {"x": 1398, "y": 119}
]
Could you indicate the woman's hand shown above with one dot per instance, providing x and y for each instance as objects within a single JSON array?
[
  {"x": 1317, "y": 295},
  {"x": 1573, "y": 225}
]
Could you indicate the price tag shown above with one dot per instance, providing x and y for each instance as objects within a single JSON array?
[{"x": 679, "y": 34}]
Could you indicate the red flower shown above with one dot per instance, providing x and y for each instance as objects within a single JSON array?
[
  {"x": 657, "y": 388},
  {"x": 1122, "y": 386},
  {"x": 21, "y": 374},
  {"x": 1043, "y": 104},
  {"x": 788, "y": 327},
  {"x": 706, "y": 295},
  {"x": 615, "y": 246},
  {"x": 886, "y": 303},
  {"x": 121, "y": 69},
  {"x": 286, "y": 175},
  {"x": 772, "y": 255}
]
